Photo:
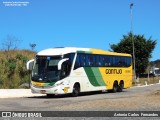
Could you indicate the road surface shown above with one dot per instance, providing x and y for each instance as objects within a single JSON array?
[{"x": 135, "y": 98}]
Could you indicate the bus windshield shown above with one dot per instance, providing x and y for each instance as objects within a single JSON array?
[{"x": 45, "y": 69}]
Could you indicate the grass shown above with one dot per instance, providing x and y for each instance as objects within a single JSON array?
[{"x": 13, "y": 71}]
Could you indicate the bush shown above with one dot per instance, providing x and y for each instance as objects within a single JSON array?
[{"x": 13, "y": 71}]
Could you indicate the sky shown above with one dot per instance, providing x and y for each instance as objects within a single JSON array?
[{"x": 78, "y": 23}]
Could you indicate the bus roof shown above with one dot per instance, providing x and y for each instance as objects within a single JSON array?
[{"x": 65, "y": 50}]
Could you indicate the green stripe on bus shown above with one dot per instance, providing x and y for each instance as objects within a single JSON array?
[
  {"x": 52, "y": 83},
  {"x": 98, "y": 76},
  {"x": 49, "y": 83},
  {"x": 91, "y": 76}
]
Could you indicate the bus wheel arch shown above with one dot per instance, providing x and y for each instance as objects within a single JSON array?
[
  {"x": 76, "y": 89},
  {"x": 115, "y": 86}
]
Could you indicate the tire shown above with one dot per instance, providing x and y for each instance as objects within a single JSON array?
[
  {"x": 120, "y": 87},
  {"x": 76, "y": 90},
  {"x": 115, "y": 87}
]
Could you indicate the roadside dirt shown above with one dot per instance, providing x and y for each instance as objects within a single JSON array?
[{"x": 137, "y": 102}]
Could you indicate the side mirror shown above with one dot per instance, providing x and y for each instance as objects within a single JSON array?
[
  {"x": 30, "y": 64},
  {"x": 60, "y": 63}
]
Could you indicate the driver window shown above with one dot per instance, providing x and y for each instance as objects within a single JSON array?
[{"x": 66, "y": 67}]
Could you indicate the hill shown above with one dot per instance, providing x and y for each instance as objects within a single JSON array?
[
  {"x": 13, "y": 71},
  {"x": 155, "y": 63}
]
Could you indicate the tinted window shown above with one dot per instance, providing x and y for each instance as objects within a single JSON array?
[{"x": 94, "y": 60}]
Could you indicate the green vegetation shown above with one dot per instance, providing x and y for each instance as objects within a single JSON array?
[
  {"x": 143, "y": 50},
  {"x": 13, "y": 72}
]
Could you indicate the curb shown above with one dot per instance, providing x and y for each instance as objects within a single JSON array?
[
  {"x": 145, "y": 85},
  {"x": 13, "y": 93}
]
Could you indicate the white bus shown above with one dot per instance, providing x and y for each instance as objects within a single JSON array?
[
  {"x": 155, "y": 71},
  {"x": 74, "y": 70}
]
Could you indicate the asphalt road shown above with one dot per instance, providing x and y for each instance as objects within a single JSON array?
[
  {"x": 136, "y": 98},
  {"x": 133, "y": 99}
]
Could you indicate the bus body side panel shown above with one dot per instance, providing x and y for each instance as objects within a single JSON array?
[
  {"x": 89, "y": 79},
  {"x": 101, "y": 78},
  {"x": 116, "y": 74},
  {"x": 109, "y": 74}
]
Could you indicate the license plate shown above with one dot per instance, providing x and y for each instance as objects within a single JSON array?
[{"x": 43, "y": 91}]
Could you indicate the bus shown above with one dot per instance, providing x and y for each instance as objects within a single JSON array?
[
  {"x": 155, "y": 71},
  {"x": 71, "y": 70}
]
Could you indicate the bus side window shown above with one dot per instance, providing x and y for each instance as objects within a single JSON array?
[
  {"x": 128, "y": 61},
  {"x": 122, "y": 61},
  {"x": 110, "y": 61},
  {"x": 106, "y": 61},
  {"x": 65, "y": 71},
  {"x": 97, "y": 61},
  {"x": 82, "y": 60},
  {"x": 118, "y": 62},
  {"x": 88, "y": 60},
  {"x": 93, "y": 59},
  {"x": 70, "y": 61},
  {"x": 101, "y": 60}
]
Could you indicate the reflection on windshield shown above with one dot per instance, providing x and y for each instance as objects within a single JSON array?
[{"x": 46, "y": 69}]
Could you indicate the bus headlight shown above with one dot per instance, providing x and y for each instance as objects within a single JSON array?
[{"x": 61, "y": 83}]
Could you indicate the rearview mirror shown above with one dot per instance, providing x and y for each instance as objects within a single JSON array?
[
  {"x": 30, "y": 64},
  {"x": 60, "y": 63}
]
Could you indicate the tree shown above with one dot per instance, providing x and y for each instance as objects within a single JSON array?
[
  {"x": 10, "y": 43},
  {"x": 32, "y": 45},
  {"x": 143, "y": 49}
]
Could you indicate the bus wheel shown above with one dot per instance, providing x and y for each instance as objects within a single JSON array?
[
  {"x": 115, "y": 87},
  {"x": 121, "y": 86},
  {"x": 50, "y": 95},
  {"x": 76, "y": 90}
]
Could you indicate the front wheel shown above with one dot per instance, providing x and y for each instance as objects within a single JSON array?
[{"x": 76, "y": 90}]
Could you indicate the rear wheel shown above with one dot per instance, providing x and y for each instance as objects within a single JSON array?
[
  {"x": 76, "y": 90},
  {"x": 121, "y": 86},
  {"x": 115, "y": 87}
]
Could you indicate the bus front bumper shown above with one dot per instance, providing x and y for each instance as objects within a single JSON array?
[{"x": 50, "y": 90}]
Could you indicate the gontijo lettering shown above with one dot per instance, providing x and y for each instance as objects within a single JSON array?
[{"x": 113, "y": 71}]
